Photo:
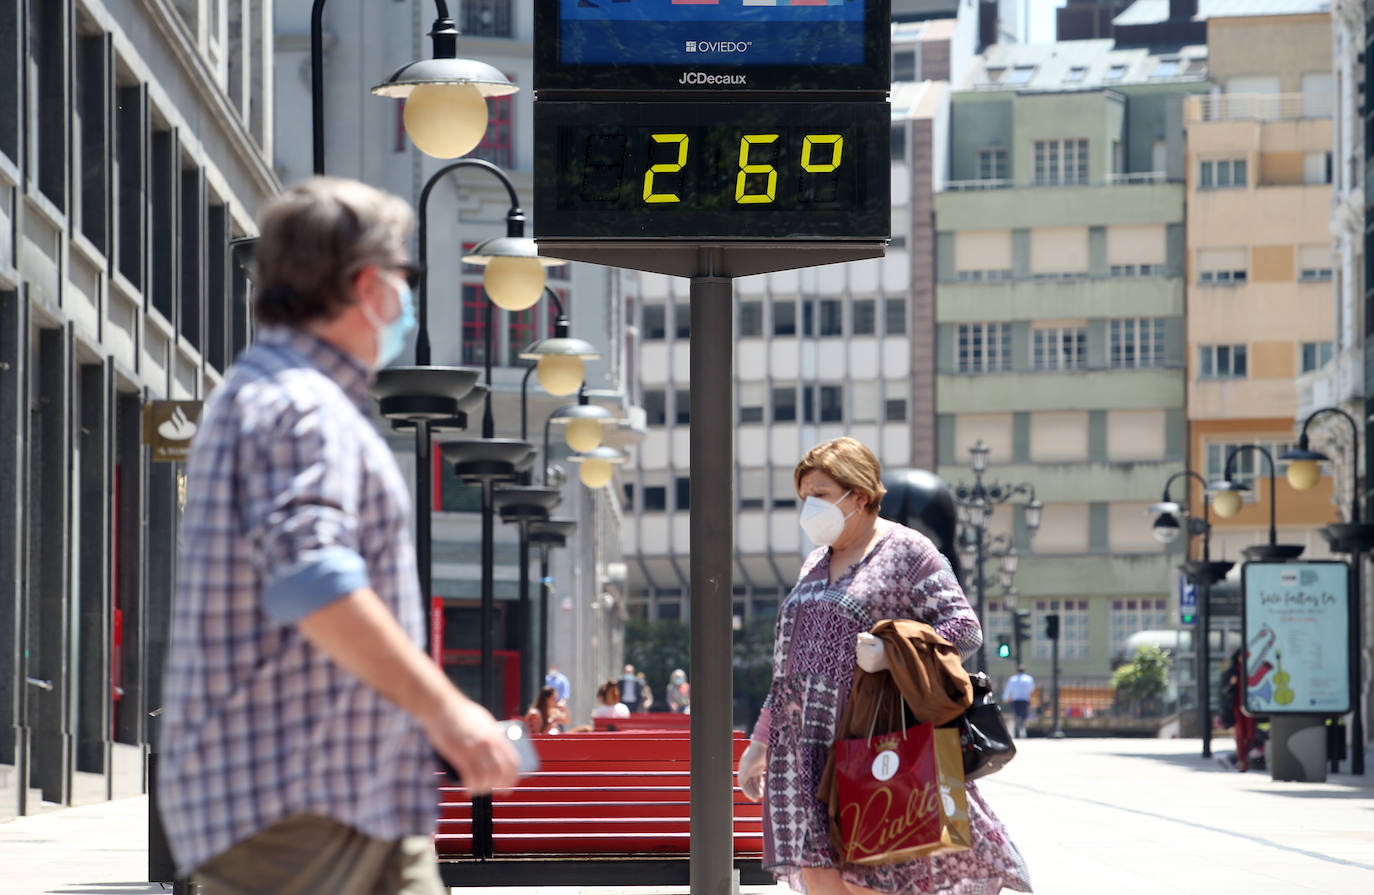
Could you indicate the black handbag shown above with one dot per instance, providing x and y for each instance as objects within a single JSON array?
[{"x": 983, "y": 736}]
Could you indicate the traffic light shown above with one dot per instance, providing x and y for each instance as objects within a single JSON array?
[
  {"x": 1052, "y": 626},
  {"x": 1003, "y": 647},
  {"x": 1021, "y": 625}
]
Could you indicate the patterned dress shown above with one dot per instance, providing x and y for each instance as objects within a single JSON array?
[{"x": 903, "y": 576}]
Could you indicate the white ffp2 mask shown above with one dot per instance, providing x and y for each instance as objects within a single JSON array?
[{"x": 823, "y": 521}]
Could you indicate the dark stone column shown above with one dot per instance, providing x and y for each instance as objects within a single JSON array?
[
  {"x": 130, "y": 522},
  {"x": 93, "y": 629}
]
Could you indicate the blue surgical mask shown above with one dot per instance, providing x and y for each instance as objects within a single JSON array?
[{"x": 391, "y": 337}]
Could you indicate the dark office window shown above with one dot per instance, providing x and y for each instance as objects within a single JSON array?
[
  {"x": 217, "y": 328},
  {"x": 46, "y": 45},
  {"x": 784, "y": 318},
  {"x": 486, "y": 18},
  {"x": 895, "y": 410},
  {"x": 655, "y": 325},
  {"x": 832, "y": 403},
  {"x": 655, "y": 407},
  {"x": 130, "y": 139},
  {"x": 670, "y": 611},
  {"x": 239, "y": 309},
  {"x": 865, "y": 317},
  {"x": 92, "y": 112},
  {"x": 808, "y": 403},
  {"x": 629, "y": 492},
  {"x": 808, "y": 327},
  {"x": 751, "y": 318},
  {"x": 682, "y": 405},
  {"x": 903, "y": 68},
  {"x": 899, "y": 144},
  {"x": 9, "y": 80},
  {"x": 683, "y": 485},
  {"x": 476, "y": 309},
  {"x": 894, "y": 316},
  {"x": 832, "y": 317},
  {"x": 682, "y": 320},
  {"x": 162, "y": 216},
  {"x": 784, "y": 404},
  {"x": 192, "y": 253},
  {"x": 751, "y": 414},
  {"x": 655, "y": 498}
]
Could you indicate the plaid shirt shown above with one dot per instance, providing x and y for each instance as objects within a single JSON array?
[{"x": 292, "y": 500}]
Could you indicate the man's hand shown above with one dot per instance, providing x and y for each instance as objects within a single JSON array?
[
  {"x": 468, "y": 737},
  {"x": 870, "y": 654},
  {"x": 752, "y": 765}
]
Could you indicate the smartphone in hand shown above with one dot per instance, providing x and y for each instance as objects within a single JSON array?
[{"x": 519, "y": 736}]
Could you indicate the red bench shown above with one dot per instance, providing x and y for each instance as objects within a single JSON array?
[
  {"x": 645, "y": 721},
  {"x": 604, "y": 809}
]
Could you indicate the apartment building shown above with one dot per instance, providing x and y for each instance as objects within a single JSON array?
[
  {"x": 134, "y": 145},
  {"x": 1260, "y": 264},
  {"x": 365, "y": 138},
  {"x": 1060, "y": 258},
  {"x": 844, "y": 349}
]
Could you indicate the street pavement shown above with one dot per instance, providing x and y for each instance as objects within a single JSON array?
[{"x": 1099, "y": 816}]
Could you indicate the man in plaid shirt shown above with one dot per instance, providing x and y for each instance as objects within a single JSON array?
[{"x": 301, "y": 713}]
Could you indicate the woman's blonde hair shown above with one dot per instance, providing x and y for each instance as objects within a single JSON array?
[{"x": 850, "y": 463}]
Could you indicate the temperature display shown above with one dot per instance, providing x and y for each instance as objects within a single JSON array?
[{"x": 712, "y": 170}]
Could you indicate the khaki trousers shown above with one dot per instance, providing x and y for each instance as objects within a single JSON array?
[{"x": 307, "y": 854}]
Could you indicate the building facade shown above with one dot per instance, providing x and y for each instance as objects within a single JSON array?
[
  {"x": 134, "y": 141},
  {"x": 365, "y": 138},
  {"x": 1260, "y": 263},
  {"x": 1060, "y": 260}
]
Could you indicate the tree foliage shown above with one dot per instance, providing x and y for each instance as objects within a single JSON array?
[{"x": 1145, "y": 677}]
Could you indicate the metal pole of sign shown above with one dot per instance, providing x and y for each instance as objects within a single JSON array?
[
  {"x": 713, "y": 549},
  {"x": 1204, "y": 665}
]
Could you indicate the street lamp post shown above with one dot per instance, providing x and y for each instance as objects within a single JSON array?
[
  {"x": 1203, "y": 574},
  {"x": 1353, "y": 537},
  {"x": 976, "y": 503},
  {"x": 1228, "y": 497}
]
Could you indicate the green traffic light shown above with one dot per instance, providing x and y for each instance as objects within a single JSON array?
[{"x": 1003, "y": 648}]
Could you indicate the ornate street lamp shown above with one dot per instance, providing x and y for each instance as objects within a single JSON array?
[{"x": 1228, "y": 495}]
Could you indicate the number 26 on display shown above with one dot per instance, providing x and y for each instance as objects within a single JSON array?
[{"x": 832, "y": 145}]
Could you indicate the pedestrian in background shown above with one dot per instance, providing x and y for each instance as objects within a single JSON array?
[
  {"x": 629, "y": 686},
  {"x": 1017, "y": 691},
  {"x": 559, "y": 682},
  {"x": 646, "y": 696},
  {"x": 301, "y": 711},
  {"x": 546, "y": 715},
  {"x": 678, "y": 693},
  {"x": 864, "y": 569}
]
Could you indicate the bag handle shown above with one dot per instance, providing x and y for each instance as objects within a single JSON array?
[{"x": 872, "y": 725}]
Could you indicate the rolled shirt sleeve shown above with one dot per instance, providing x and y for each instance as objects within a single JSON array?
[{"x": 303, "y": 508}]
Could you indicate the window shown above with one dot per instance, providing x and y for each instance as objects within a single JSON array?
[
  {"x": 1116, "y": 72},
  {"x": 655, "y": 498},
  {"x": 1059, "y": 348},
  {"x": 91, "y": 108},
  {"x": 683, "y": 486},
  {"x": 751, "y": 318},
  {"x": 161, "y": 217},
  {"x": 899, "y": 144},
  {"x": 1221, "y": 277},
  {"x": 784, "y": 404},
  {"x": 655, "y": 406},
  {"x": 1221, "y": 361},
  {"x": 48, "y": 101},
  {"x": 682, "y": 320},
  {"x": 903, "y": 64},
  {"x": 1222, "y": 173},
  {"x": 474, "y": 324},
  {"x": 1248, "y": 463},
  {"x": 751, "y": 398},
  {"x": 486, "y": 18},
  {"x": 1132, "y": 616},
  {"x": 1136, "y": 343},
  {"x": 984, "y": 276},
  {"x": 832, "y": 317},
  {"x": 865, "y": 317},
  {"x": 130, "y": 142},
  {"x": 1316, "y": 168},
  {"x": 784, "y": 318},
  {"x": 984, "y": 347},
  {"x": 496, "y": 141},
  {"x": 832, "y": 404},
  {"x": 995, "y": 73},
  {"x": 784, "y": 489},
  {"x": 992, "y": 164},
  {"x": 1061, "y": 162},
  {"x": 808, "y": 403},
  {"x": 522, "y": 328},
  {"x": 1021, "y": 74},
  {"x": 1166, "y": 68},
  {"x": 894, "y": 410},
  {"x": 1314, "y": 275},
  {"x": 628, "y": 493},
  {"x": 808, "y": 327},
  {"x": 10, "y": 81},
  {"x": 1075, "y": 74},
  {"x": 1315, "y": 355},
  {"x": 1073, "y": 629},
  {"x": 682, "y": 407},
  {"x": 1137, "y": 270},
  {"x": 752, "y": 489},
  {"x": 894, "y": 316},
  {"x": 192, "y": 253},
  {"x": 655, "y": 323}
]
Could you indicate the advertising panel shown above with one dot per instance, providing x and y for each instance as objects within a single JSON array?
[{"x": 1296, "y": 627}]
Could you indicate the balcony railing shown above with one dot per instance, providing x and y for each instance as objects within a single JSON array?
[
  {"x": 1137, "y": 177},
  {"x": 960, "y": 186},
  {"x": 1256, "y": 107},
  {"x": 1133, "y": 178}
]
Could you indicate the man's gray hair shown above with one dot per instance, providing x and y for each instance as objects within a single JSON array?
[{"x": 315, "y": 238}]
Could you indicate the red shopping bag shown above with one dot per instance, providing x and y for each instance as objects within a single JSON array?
[{"x": 901, "y": 795}]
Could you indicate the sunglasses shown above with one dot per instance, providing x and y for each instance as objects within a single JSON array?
[{"x": 414, "y": 273}]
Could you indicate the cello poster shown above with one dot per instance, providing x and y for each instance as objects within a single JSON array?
[{"x": 1296, "y": 627}]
